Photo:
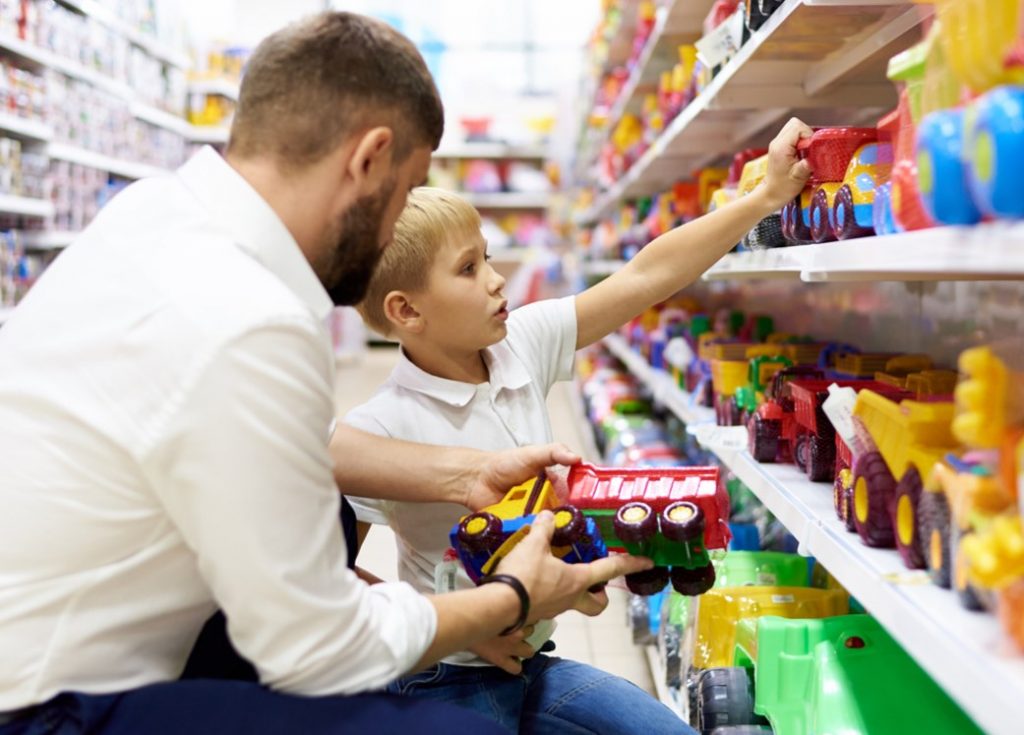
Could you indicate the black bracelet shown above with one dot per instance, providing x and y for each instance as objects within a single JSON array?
[{"x": 524, "y": 599}]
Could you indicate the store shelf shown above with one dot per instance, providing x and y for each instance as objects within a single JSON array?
[
  {"x": 48, "y": 239},
  {"x": 81, "y": 156},
  {"x": 209, "y": 134},
  {"x": 677, "y": 22},
  {"x": 43, "y": 58},
  {"x": 144, "y": 41},
  {"x": 5, "y": 313},
  {"x": 661, "y": 689},
  {"x": 161, "y": 118},
  {"x": 223, "y": 87},
  {"x": 508, "y": 200},
  {"x": 967, "y": 653},
  {"x": 24, "y": 128},
  {"x": 991, "y": 251},
  {"x": 794, "y": 62},
  {"x": 491, "y": 150},
  {"x": 27, "y": 206}
]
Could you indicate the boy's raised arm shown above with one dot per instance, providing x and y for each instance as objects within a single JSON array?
[{"x": 678, "y": 257}]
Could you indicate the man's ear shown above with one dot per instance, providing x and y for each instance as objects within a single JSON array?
[
  {"x": 402, "y": 312},
  {"x": 371, "y": 159}
]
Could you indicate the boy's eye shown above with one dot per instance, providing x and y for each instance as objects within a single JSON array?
[{"x": 468, "y": 268}]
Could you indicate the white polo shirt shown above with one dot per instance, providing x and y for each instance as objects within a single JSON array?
[
  {"x": 166, "y": 393},
  {"x": 508, "y": 411}
]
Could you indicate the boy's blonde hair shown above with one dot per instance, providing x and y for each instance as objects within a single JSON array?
[{"x": 431, "y": 219}]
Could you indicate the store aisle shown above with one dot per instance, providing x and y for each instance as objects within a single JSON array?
[{"x": 604, "y": 641}]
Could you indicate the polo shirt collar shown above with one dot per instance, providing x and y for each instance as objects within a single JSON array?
[
  {"x": 506, "y": 371},
  {"x": 253, "y": 225}
]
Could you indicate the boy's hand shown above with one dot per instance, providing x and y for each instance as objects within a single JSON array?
[
  {"x": 555, "y": 586},
  {"x": 501, "y": 471},
  {"x": 787, "y": 174},
  {"x": 506, "y": 651}
]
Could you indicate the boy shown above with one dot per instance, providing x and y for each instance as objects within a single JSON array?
[{"x": 472, "y": 374}]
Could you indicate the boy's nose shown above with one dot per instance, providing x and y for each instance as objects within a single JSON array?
[{"x": 497, "y": 281}]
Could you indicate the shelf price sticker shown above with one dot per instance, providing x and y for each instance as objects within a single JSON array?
[
  {"x": 722, "y": 438},
  {"x": 722, "y": 43}
]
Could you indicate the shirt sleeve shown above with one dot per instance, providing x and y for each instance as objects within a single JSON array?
[
  {"x": 543, "y": 334},
  {"x": 242, "y": 468},
  {"x": 368, "y": 510}
]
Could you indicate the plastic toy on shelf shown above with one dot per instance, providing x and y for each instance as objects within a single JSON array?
[
  {"x": 674, "y": 516},
  {"x": 836, "y": 674}
]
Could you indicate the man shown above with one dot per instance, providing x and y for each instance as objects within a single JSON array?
[{"x": 165, "y": 407}]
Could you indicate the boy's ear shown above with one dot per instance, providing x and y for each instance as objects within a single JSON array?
[{"x": 402, "y": 312}]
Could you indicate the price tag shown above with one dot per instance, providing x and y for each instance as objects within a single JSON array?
[
  {"x": 722, "y": 438},
  {"x": 839, "y": 409},
  {"x": 723, "y": 42}
]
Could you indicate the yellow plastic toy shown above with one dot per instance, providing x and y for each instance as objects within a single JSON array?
[{"x": 720, "y": 610}]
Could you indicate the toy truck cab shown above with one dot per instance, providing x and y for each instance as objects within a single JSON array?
[
  {"x": 772, "y": 428},
  {"x": 674, "y": 516}
]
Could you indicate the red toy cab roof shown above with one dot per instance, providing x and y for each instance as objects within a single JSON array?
[
  {"x": 608, "y": 488},
  {"x": 829, "y": 151}
]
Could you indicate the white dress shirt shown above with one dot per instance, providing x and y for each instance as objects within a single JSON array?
[
  {"x": 509, "y": 410},
  {"x": 166, "y": 394}
]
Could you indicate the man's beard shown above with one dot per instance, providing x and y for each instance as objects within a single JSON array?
[{"x": 357, "y": 248}]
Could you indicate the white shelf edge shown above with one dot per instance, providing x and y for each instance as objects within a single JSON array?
[
  {"x": 45, "y": 57},
  {"x": 223, "y": 87},
  {"x": 5, "y": 313},
  {"x": 508, "y": 200},
  {"x": 27, "y": 206},
  {"x": 988, "y": 251},
  {"x": 47, "y": 239},
  {"x": 161, "y": 118},
  {"x": 24, "y": 127},
  {"x": 966, "y": 652},
  {"x": 83, "y": 157},
  {"x": 706, "y": 99},
  {"x": 209, "y": 134},
  {"x": 151, "y": 44}
]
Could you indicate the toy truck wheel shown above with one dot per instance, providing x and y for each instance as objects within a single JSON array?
[
  {"x": 821, "y": 458},
  {"x": 966, "y": 593},
  {"x": 693, "y": 582},
  {"x": 725, "y": 696},
  {"x": 845, "y": 222},
  {"x": 872, "y": 488},
  {"x": 764, "y": 438},
  {"x": 821, "y": 224},
  {"x": 933, "y": 528},
  {"x": 648, "y": 582},
  {"x": 766, "y": 234},
  {"x": 682, "y": 522},
  {"x": 800, "y": 451},
  {"x": 480, "y": 532},
  {"x": 908, "y": 494},
  {"x": 570, "y": 526},
  {"x": 635, "y": 523}
]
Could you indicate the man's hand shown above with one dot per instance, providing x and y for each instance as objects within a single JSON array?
[
  {"x": 555, "y": 586},
  {"x": 506, "y": 651},
  {"x": 787, "y": 174},
  {"x": 503, "y": 470}
]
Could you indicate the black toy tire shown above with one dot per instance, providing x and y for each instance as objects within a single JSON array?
[
  {"x": 682, "y": 522},
  {"x": 763, "y": 438},
  {"x": 630, "y": 527},
  {"x": 648, "y": 582},
  {"x": 693, "y": 582},
  {"x": 821, "y": 458},
  {"x": 570, "y": 526},
  {"x": 821, "y": 227},
  {"x": 725, "y": 696},
  {"x": 907, "y": 496},
  {"x": 873, "y": 486},
  {"x": 487, "y": 539}
]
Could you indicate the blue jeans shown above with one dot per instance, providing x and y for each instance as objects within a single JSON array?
[
  {"x": 552, "y": 695},
  {"x": 198, "y": 707}
]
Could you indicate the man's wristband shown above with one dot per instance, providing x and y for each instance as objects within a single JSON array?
[{"x": 524, "y": 599}]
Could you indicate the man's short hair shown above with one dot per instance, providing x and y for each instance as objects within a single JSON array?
[
  {"x": 314, "y": 83},
  {"x": 432, "y": 219}
]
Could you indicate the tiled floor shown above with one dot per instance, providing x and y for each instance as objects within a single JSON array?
[{"x": 603, "y": 641}]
